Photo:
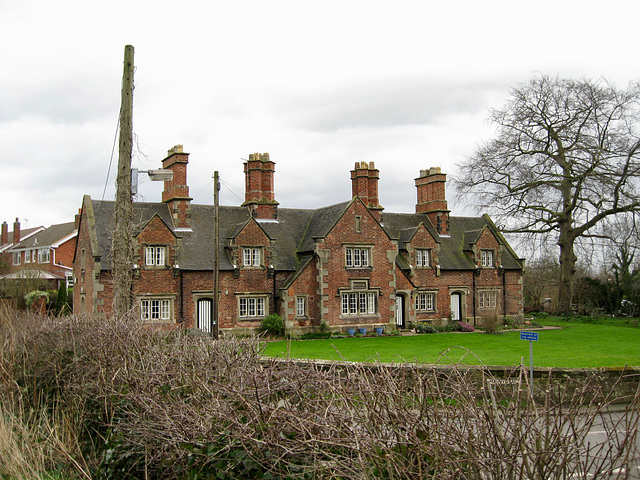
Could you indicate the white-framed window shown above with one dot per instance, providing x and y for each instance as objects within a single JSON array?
[
  {"x": 251, "y": 307},
  {"x": 486, "y": 258},
  {"x": 155, "y": 255},
  {"x": 44, "y": 255},
  {"x": 426, "y": 302},
  {"x": 487, "y": 299},
  {"x": 34, "y": 255},
  {"x": 153, "y": 309},
  {"x": 251, "y": 257},
  {"x": 17, "y": 258},
  {"x": 301, "y": 306},
  {"x": 359, "y": 303},
  {"x": 423, "y": 257},
  {"x": 357, "y": 257},
  {"x": 27, "y": 256}
]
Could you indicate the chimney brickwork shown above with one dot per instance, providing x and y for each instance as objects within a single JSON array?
[
  {"x": 5, "y": 233},
  {"x": 16, "y": 232},
  {"x": 431, "y": 198},
  {"x": 259, "y": 186},
  {"x": 176, "y": 190},
  {"x": 364, "y": 185}
]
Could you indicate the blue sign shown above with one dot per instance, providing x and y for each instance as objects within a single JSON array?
[{"x": 531, "y": 336}]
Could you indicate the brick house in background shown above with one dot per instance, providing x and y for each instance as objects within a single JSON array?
[
  {"x": 39, "y": 256},
  {"x": 346, "y": 265}
]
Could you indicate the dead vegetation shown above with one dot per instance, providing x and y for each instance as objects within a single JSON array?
[{"x": 93, "y": 397}]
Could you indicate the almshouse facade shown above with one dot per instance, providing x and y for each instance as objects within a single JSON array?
[{"x": 346, "y": 265}]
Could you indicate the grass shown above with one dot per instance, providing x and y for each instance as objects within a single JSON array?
[{"x": 578, "y": 344}]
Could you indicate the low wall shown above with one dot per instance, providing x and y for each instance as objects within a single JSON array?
[{"x": 611, "y": 385}]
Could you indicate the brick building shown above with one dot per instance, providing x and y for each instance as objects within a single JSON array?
[
  {"x": 347, "y": 265},
  {"x": 41, "y": 257}
]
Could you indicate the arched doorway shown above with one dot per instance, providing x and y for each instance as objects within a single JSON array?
[{"x": 205, "y": 314}]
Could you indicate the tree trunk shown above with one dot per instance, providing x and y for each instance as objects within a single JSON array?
[{"x": 567, "y": 271}]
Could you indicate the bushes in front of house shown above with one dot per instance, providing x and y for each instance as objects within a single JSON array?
[{"x": 99, "y": 397}]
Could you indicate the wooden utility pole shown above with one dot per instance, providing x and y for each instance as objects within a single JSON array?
[
  {"x": 122, "y": 245},
  {"x": 216, "y": 260}
]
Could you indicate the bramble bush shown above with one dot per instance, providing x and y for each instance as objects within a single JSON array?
[{"x": 99, "y": 397}]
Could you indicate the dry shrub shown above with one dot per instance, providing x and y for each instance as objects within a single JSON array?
[
  {"x": 175, "y": 405},
  {"x": 491, "y": 321}
]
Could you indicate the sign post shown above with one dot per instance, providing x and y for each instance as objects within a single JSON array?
[{"x": 532, "y": 337}]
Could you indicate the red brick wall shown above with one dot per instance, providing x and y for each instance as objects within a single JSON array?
[
  {"x": 84, "y": 300},
  {"x": 334, "y": 274}
]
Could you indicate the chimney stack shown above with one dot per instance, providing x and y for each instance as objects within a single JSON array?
[
  {"x": 16, "y": 232},
  {"x": 431, "y": 198},
  {"x": 176, "y": 190},
  {"x": 364, "y": 185},
  {"x": 259, "y": 186},
  {"x": 5, "y": 233},
  {"x": 76, "y": 223}
]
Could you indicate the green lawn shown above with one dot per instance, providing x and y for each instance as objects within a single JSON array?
[{"x": 605, "y": 344}]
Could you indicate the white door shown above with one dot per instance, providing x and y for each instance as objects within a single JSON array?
[
  {"x": 455, "y": 306},
  {"x": 399, "y": 311},
  {"x": 205, "y": 310}
]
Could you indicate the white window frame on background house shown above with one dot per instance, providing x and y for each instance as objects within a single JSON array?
[
  {"x": 44, "y": 255},
  {"x": 425, "y": 302},
  {"x": 155, "y": 255},
  {"x": 487, "y": 258},
  {"x": 251, "y": 256},
  {"x": 17, "y": 258},
  {"x": 27, "y": 256},
  {"x": 254, "y": 306},
  {"x": 487, "y": 299},
  {"x": 357, "y": 257},
  {"x": 156, "y": 309},
  {"x": 423, "y": 257}
]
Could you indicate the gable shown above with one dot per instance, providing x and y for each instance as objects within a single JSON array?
[
  {"x": 252, "y": 235},
  {"x": 156, "y": 231},
  {"x": 356, "y": 225}
]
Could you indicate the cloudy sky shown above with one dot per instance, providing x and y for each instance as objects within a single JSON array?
[{"x": 318, "y": 85}]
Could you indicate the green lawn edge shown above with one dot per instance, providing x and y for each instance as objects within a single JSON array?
[{"x": 612, "y": 343}]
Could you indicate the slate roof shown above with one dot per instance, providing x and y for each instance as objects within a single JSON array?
[
  {"x": 24, "y": 233},
  {"x": 47, "y": 237},
  {"x": 293, "y": 234}
]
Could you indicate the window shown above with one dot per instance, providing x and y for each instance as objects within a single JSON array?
[
  {"x": 17, "y": 258},
  {"x": 359, "y": 303},
  {"x": 487, "y": 299},
  {"x": 251, "y": 257},
  {"x": 423, "y": 258},
  {"x": 251, "y": 307},
  {"x": 301, "y": 306},
  {"x": 44, "y": 255},
  {"x": 486, "y": 257},
  {"x": 426, "y": 302},
  {"x": 155, "y": 309},
  {"x": 27, "y": 256},
  {"x": 155, "y": 255},
  {"x": 357, "y": 257}
]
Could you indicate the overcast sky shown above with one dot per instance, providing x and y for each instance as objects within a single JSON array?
[{"x": 318, "y": 85}]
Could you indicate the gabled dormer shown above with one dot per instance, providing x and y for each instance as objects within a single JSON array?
[
  {"x": 249, "y": 246},
  {"x": 156, "y": 247}
]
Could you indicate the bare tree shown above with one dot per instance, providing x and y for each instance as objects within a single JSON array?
[{"x": 565, "y": 157}]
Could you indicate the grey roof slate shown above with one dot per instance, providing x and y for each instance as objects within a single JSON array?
[
  {"x": 48, "y": 237},
  {"x": 293, "y": 234}
]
